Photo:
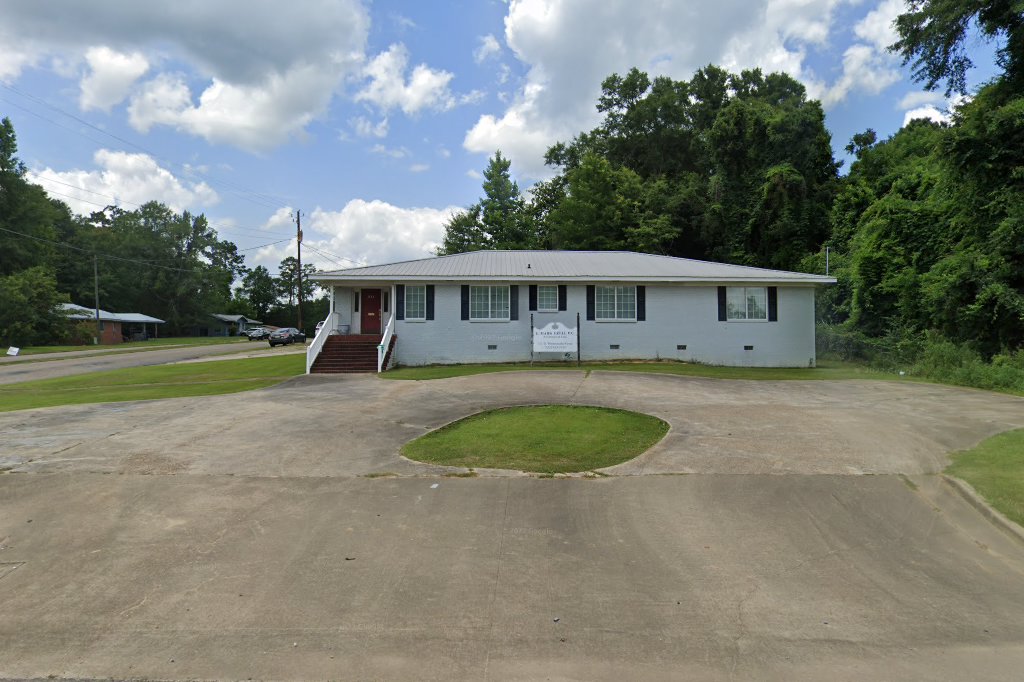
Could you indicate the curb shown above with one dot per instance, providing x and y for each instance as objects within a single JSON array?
[{"x": 975, "y": 500}]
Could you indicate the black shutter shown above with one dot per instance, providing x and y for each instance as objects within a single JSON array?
[
  {"x": 641, "y": 303},
  {"x": 773, "y": 304},
  {"x": 465, "y": 301},
  {"x": 533, "y": 297},
  {"x": 721, "y": 304},
  {"x": 430, "y": 301},
  {"x": 399, "y": 301},
  {"x": 513, "y": 302},
  {"x": 590, "y": 301},
  {"x": 563, "y": 297}
]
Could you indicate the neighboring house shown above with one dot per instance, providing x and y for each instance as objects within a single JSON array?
[
  {"x": 116, "y": 327},
  {"x": 226, "y": 325},
  {"x": 477, "y": 307}
]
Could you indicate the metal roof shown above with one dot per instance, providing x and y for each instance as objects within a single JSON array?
[
  {"x": 77, "y": 312},
  {"x": 234, "y": 318},
  {"x": 584, "y": 266}
]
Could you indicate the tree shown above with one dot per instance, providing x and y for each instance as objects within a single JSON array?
[
  {"x": 733, "y": 167},
  {"x": 934, "y": 33},
  {"x": 500, "y": 220},
  {"x": 27, "y": 214},
  {"x": 287, "y": 281},
  {"x": 259, "y": 289},
  {"x": 30, "y": 312}
]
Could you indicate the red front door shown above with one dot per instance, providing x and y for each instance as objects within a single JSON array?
[{"x": 369, "y": 306}]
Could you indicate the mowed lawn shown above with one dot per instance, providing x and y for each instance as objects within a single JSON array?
[
  {"x": 149, "y": 383},
  {"x": 151, "y": 344},
  {"x": 995, "y": 468},
  {"x": 546, "y": 439}
]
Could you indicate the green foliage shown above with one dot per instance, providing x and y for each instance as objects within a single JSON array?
[
  {"x": 934, "y": 34},
  {"x": 995, "y": 468},
  {"x": 730, "y": 167},
  {"x": 501, "y": 220},
  {"x": 29, "y": 308},
  {"x": 542, "y": 438},
  {"x": 150, "y": 383}
]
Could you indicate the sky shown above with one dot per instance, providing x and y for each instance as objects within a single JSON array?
[{"x": 375, "y": 119}]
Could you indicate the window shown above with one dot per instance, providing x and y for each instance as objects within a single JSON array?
[
  {"x": 547, "y": 298},
  {"x": 615, "y": 303},
  {"x": 746, "y": 303},
  {"x": 488, "y": 303},
  {"x": 416, "y": 302}
]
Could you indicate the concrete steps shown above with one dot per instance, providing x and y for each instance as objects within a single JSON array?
[{"x": 344, "y": 354}]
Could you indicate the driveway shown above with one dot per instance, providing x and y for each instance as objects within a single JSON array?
[{"x": 149, "y": 540}]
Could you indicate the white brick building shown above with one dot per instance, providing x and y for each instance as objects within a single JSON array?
[{"x": 482, "y": 306}]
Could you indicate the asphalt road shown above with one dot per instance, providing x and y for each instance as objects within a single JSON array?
[
  {"x": 49, "y": 366},
  {"x": 279, "y": 534}
]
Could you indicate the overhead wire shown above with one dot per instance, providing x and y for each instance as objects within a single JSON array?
[{"x": 234, "y": 188}]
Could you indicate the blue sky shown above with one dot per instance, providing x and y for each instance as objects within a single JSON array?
[{"x": 375, "y": 119}]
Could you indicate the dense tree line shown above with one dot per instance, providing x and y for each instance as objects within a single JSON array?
[
  {"x": 732, "y": 167},
  {"x": 151, "y": 260},
  {"x": 925, "y": 233}
]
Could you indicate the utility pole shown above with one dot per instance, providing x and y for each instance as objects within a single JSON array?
[
  {"x": 298, "y": 246},
  {"x": 96, "y": 291}
]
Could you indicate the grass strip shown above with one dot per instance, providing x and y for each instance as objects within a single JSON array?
[
  {"x": 150, "y": 383},
  {"x": 151, "y": 344},
  {"x": 826, "y": 370},
  {"x": 542, "y": 439},
  {"x": 995, "y": 468}
]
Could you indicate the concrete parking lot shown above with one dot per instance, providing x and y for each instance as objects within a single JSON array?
[{"x": 782, "y": 530}]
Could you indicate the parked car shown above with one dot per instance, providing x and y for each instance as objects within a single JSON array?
[
  {"x": 258, "y": 333},
  {"x": 286, "y": 335}
]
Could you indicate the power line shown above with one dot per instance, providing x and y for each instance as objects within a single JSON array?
[
  {"x": 105, "y": 256},
  {"x": 234, "y": 188},
  {"x": 117, "y": 201},
  {"x": 325, "y": 255}
]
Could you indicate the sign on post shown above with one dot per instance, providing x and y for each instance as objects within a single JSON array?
[{"x": 555, "y": 338}]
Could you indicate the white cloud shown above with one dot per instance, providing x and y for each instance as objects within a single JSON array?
[
  {"x": 388, "y": 88},
  {"x": 932, "y": 112},
  {"x": 865, "y": 69},
  {"x": 927, "y": 112},
  {"x": 444, "y": 152},
  {"x": 123, "y": 178},
  {"x": 556, "y": 42},
  {"x": 368, "y": 232},
  {"x": 475, "y": 174},
  {"x": 489, "y": 47},
  {"x": 256, "y": 118},
  {"x": 393, "y": 152},
  {"x": 916, "y": 99},
  {"x": 419, "y": 168},
  {"x": 364, "y": 127},
  {"x": 878, "y": 26},
  {"x": 110, "y": 78},
  {"x": 262, "y": 79},
  {"x": 281, "y": 218}
]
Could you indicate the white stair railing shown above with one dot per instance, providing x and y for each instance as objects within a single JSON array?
[
  {"x": 385, "y": 341},
  {"x": 313, "y": 349}
]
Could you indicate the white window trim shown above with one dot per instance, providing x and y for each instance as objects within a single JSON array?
[
  {"x": 405, "y": 303},
  {"x": 614, "y": 319},
  {"x": 547, "y": 310},
  {"x": 507, "y": 318},
  {"x": 746, "y": 320}
]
